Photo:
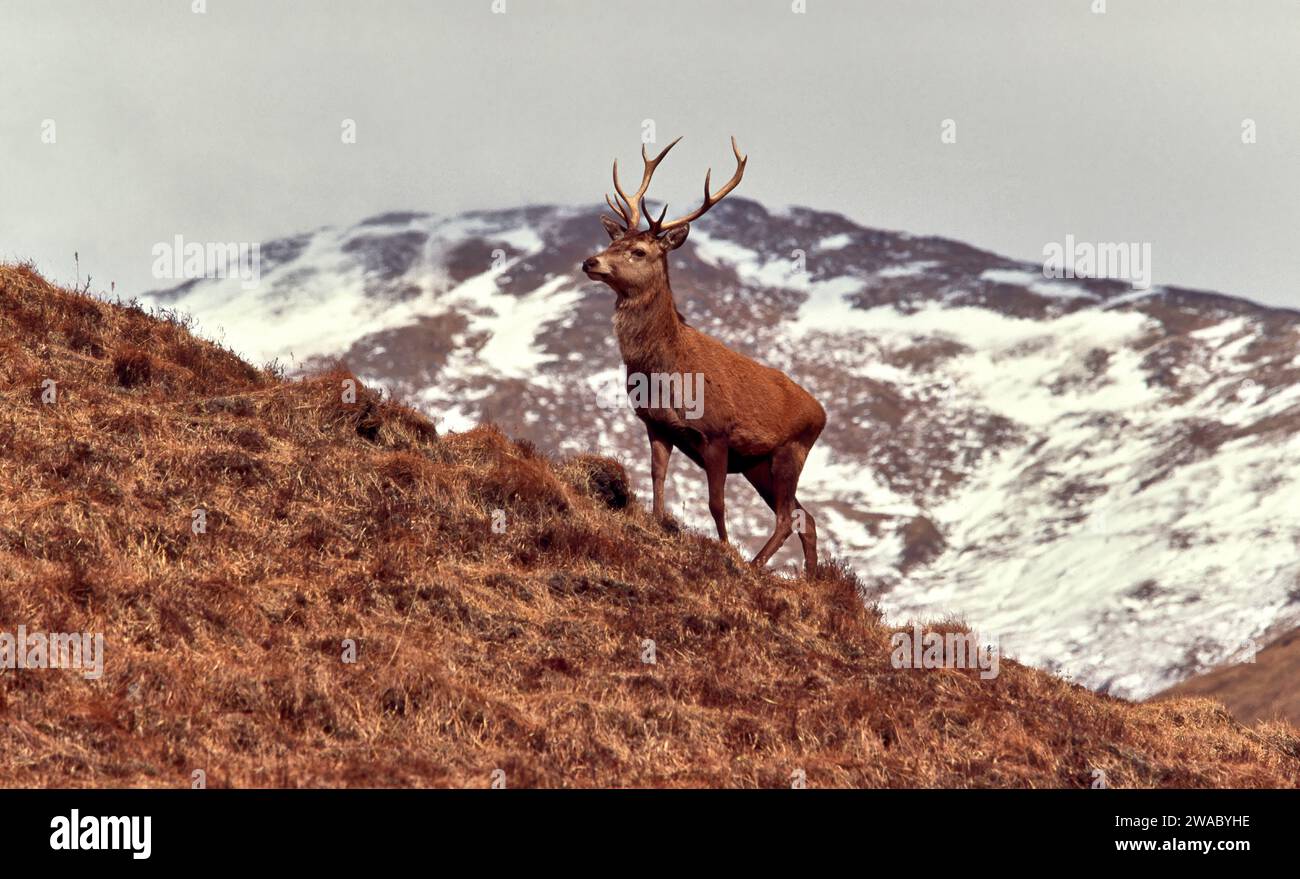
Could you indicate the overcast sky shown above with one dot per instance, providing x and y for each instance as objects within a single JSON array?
[{"x": 226, "y": 126}]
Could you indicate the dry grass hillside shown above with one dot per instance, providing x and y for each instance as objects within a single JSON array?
[
  {"x": 1266, "y": 688},
  {"x": 517, "y": 648}
]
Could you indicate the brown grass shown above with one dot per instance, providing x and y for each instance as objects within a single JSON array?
[
  {"x": 518, "y": 648},
  {"x": 1265, "y": 688}
]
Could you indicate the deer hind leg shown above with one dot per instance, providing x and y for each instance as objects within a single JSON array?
[
  {"x": 804, "y": 524},
  {"x": 777, "y": 476},
  {"x": 806, "y": 527},
  {"x": 760, "y": 476},
  {"x": 783, "y": 473}
]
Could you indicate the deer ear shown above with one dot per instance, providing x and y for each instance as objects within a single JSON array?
[
  {"x": 676, "y": 236},
  {"x": 612, "y": 227}
]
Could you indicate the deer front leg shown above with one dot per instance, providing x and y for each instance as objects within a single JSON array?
[
  {"x": 715, "y": 467},
  {"x": 660, "y": 449}
]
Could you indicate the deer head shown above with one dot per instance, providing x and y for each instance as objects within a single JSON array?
[{"x": 636, "y": 262}]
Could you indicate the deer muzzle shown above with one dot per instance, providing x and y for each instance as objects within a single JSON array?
[{"x": 594, "y": 268}]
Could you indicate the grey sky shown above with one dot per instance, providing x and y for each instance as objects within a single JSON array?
[{"x": 1124, "y": 126}]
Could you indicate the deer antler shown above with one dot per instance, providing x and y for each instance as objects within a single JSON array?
[
  {"x": 631, "y": 216},
  {"x": 709, "y": 199}
]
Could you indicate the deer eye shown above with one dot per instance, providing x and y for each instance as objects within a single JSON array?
[{"x": 639, "y": 252}]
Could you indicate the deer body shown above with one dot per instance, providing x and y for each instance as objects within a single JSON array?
[
  {"x": 748, "y": 403},
  {"x": 754, "y": 420}
]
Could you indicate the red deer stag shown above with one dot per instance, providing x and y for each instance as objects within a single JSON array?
[{"x": 754, "y": 420}]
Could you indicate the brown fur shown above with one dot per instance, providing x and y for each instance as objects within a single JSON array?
[{"x": 755, "y": 420}]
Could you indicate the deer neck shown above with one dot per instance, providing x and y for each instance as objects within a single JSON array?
[{"x": 648, "y": 328}]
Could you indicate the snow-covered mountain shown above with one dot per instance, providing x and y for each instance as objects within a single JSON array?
[{"x": 1104, "y": 479}]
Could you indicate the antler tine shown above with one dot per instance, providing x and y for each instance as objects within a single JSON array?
[
  {"x": 625, "y": 213},
  {"x": 709, "y": 199},
  {"x": 632, "y": 216},
  {"x": 656, "y": 226},
  {"x": 617, "y": 209}
]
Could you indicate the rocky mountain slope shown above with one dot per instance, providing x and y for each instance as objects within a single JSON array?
[
  {"x": 1100, "y": 478},
  {"x": 371, "y": 603}
]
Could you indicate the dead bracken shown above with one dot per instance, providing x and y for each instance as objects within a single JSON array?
[{"x": 580, "y": 644}]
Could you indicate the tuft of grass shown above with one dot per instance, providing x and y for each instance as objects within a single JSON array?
[
  {"x": 132, "y": 366},
  {"x": 601, "y": 478},
  {"x": 502, "y": 607}
]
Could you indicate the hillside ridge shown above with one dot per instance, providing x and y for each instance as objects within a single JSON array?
[
  {"x": 501, "y": 607},
  {"x": 1072, "y": 464}
]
